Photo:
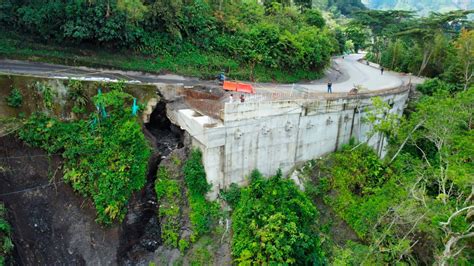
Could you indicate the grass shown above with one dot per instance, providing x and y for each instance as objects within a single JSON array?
[{"x": 190, "y": 63}]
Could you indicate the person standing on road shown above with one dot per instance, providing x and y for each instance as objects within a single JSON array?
[
  {"x": 231, "y": 98},
  {"x": 381, "y": 70},
  {"x": 329, "y": 87},
  {"x": 242, "y": 99}
]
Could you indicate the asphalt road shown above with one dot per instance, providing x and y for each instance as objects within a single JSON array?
[
  {"x": 87, "y": 73},
  {"x": 344, "y": 74}
]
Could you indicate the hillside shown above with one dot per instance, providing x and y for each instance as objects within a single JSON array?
[
  {"x": 423, "y": 7},
  {"x": 238, "y": 132}
]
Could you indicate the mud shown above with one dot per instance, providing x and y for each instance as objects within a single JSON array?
[
  {"x": 52, "y": 225},
  {"x": 209, "y": 249},
  {"x": 165, "y": 136},
  {"x": 140, "y": 233}
]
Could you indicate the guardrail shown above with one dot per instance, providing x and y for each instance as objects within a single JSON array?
[
  {"x": 213, "y": 106},
  {"x": 311, "y": 95}
]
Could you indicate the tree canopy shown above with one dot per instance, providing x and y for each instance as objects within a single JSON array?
[
  {"x": 277, "y": 34},
  {"x": 274, "y": 223}
]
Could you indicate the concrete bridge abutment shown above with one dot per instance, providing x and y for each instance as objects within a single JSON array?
[{"x": 272, "y": 135}]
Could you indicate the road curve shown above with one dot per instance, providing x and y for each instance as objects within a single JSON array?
[{"x": 352, "y": 73}]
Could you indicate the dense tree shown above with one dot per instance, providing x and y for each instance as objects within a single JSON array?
[
  {"x": 276, "y": 35},
  {"x": 314, "y": 18},
  {"x": 358, "y": 35},
  {"x": 382, "y": 24},
  {"x": 465, "y": 56},
  {"x": 274, "y": 223},
  {"x": 428, "y": 46},
  {"x": 429, "y": 32},
  {"x": 304, "y": 4},
  {"x": 415, "y": 206},
  {"x": 347, "y": 7}
]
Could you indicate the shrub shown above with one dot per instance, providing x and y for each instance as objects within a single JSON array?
[
  {"x": 49, "y": 133},
  {"x": 168, "y": 193},
  {"x": 273, "y": 223},
  {"x": 202, "y": 215},
  {"x": 363, "y": 184},
  {"x": 105, "y": 159},
  {"x": 77, "y": 93},
  {"x": 231, "y": 195},
  {"x": 195, "y": 175},
  {"x": 430, "y": 86},
  {"x": 14, "y": 99},
  {"x": 46, "y": 92},
  {"x": 314, "y": 18},
  {"x": 183, "y": 245},
  {"x": 202, "y": 212},
  {"x": 117, "y": 86},
  {"x": 78, "y": 110},
  {"x": 6, "y": 244}
]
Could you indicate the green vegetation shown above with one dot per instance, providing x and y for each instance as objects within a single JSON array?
[
  {"x": 181, "y": 190},
  {"x": 202, "y": 212},
  {"x": 414, "y": 206},
  {"x": 275, "y": 41},
  {"x": 440, "y": 45},
  {"x": 14, "y": 99},
  {"x": 77, "y": 95},
  {"x": 345, "y": 7},
  {"x": 231, "y": 195},
  {"x": 275, "y": 223},
  {"x": 6, "y": 244},
  {"x": 45, "y": 92},
  {"x": 105, "y": 157},
  {"x": 195, "y": 175},
  {"x": 168, "y": 193},
  {"x": 203, "y": 251},
  {"x": 356, "y": 175}
]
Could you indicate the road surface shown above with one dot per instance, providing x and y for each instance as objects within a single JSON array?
[{"x": 344, "y": 74}]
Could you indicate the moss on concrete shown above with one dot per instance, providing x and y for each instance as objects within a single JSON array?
[{"x": 62, "y": 105}]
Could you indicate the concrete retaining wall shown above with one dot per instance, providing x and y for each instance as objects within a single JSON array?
[
  {"x": 271, "y": 135},
  {"x": 62, "y": 105}
]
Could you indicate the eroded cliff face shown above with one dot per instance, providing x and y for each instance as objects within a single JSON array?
[{"x": 51, "y": 223}]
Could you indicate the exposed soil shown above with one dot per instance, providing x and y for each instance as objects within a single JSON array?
[
  {"x": 140, "y": 232},
  {"x": 52, "y": 225},
  {"x": 339, "y": 231},
  {"x": 162, "y": 133}
]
